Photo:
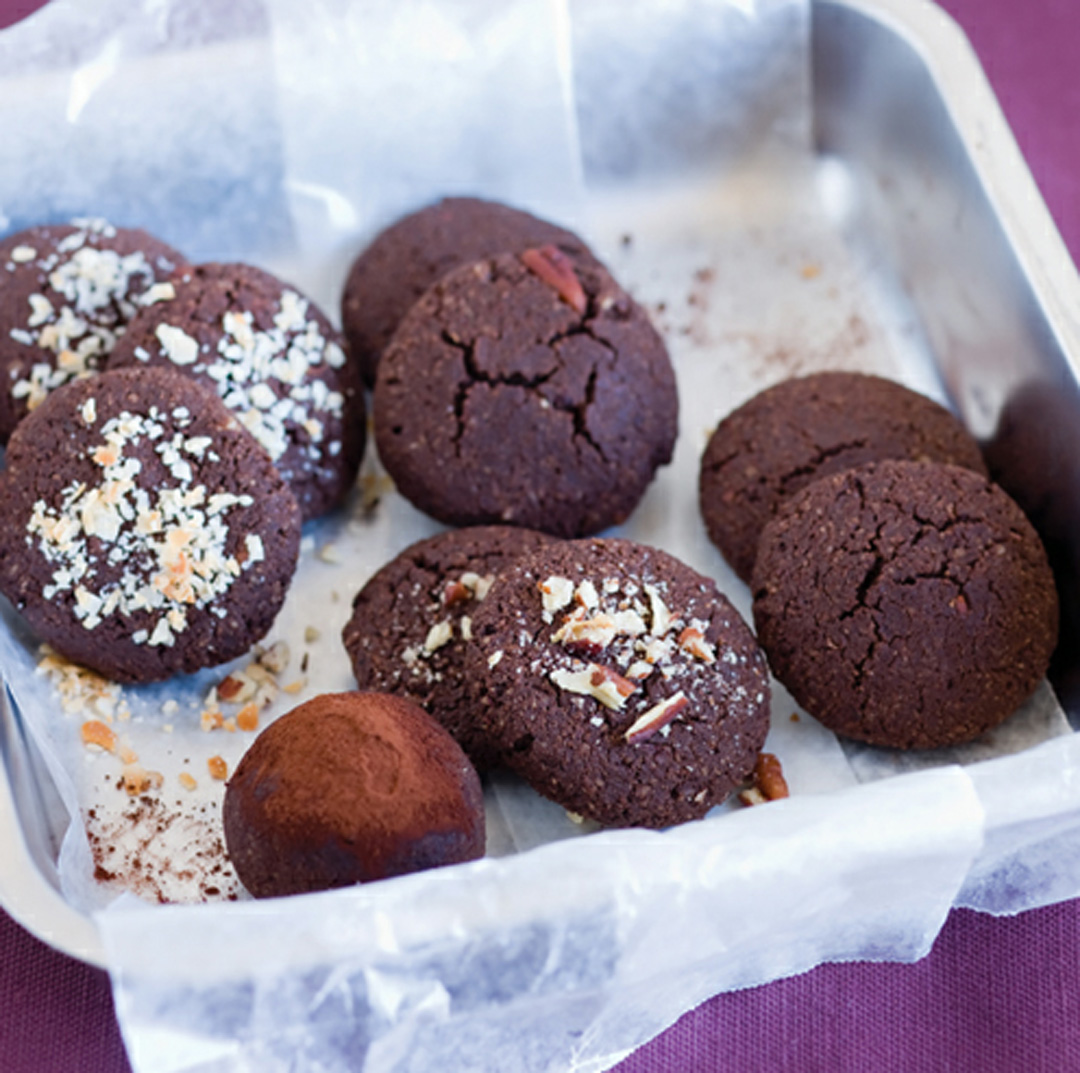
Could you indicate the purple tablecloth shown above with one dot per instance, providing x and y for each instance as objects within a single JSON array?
[{"x": 995, "y": 994}]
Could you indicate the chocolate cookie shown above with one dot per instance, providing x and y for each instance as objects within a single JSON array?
[
  {"x": 411, "y": 621},
  {"x": 411, "y": 254},
  {"x": 144, "y": 532},
  {"x": 276, "y": 362},
  {"x": 618, "y": 682},
  {"x": 798, "y": 430},
  {"x": 526, "y": 389},
  {"x": 349, "y": 788},
  {"x": 67, "y": 292},
  {"x": 906, "y": 604}
]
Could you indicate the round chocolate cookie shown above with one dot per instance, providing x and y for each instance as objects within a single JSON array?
[
  {"x": 526, "y": 389},
  {"x": 276, "y": 362},
  {"x": 906, "y": 604},
  {"x": 805, "y": 428},
  {"x": 67, "y": 291},
  {"x": 144, "y": 532},
  {"x": 349, "y": 788},
  {"x": 618, "y": 682},
  {"x": 413, "y": 618},
  {"x": 411, "y": 254}
]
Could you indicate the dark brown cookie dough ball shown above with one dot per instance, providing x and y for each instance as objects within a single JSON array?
[
  {"x": 802, "y": 429},
  {"x": 275, "y": 361},
  {"x": 412, "y": 620},
  {"x": 349, "y": 788},
  {"x": 526, "y": 390},
  {"x": 411, "y": 254},
  {"x": 144, "y": 532},
  {"x": 906, "y": 604},
  {"x": 619, "y": 682},
  {"x": 67, "y": 292}
]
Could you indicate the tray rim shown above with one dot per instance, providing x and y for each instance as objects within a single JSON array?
[{"x": 27, "y": 895}]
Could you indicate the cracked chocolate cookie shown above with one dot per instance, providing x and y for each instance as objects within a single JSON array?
[
  {"x": 411, "y": 621},
  {"x": 275, "y": 361},
  {"x": 805, "y": 428},
  {"x": 144, "y": 532},
  {"x": 618, "y": 682},
  {"x": 906, "y": 604},
  {"x": 411, "y": 254},
  {"x": 67, "y": 292},
  {"x": 350, "y": 788},
  {"x": 526, "y": 389}
]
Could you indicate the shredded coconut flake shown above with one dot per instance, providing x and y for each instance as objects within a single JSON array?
[{"x": 171, "y": 542}]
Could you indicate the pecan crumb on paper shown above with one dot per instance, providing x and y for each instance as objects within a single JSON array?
[{"x": 768, "y": 782}]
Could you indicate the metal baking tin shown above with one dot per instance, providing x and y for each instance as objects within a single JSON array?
[{"x": 944, "y": 200}]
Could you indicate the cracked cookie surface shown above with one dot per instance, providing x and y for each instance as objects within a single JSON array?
[
  {"x": 801, "y": 429},
  {"x": 905, "y": 604},
  {"x": 508, "y": 395},
  {"x": 618, "y": 682},
  {"x": 413, "y": 252},
  {"x": 412, "y": 620}
]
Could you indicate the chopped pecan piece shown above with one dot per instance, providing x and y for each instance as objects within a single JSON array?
[
  {"x": 555, "y": 593},
  {"x": 658, "y": 612},
  {"x": 658, "y": 716},
  {"x": 275, "y": 658},
  {"x": 769, "y": 776},
  {"x": 440, "y": 634},
  {"x": 454, "y": 592},
  {"x": 591, "y": 635},
  {"x": 477, "y": 584},
  {"x": 550, "y": 264},
  {"x": 248, "y": 717},
  {"x": 692, "y": 640},
  {"x": 607, "y": 686},
  {"x": 768, "y": 784},
  {"x": 95, "y": 732}
]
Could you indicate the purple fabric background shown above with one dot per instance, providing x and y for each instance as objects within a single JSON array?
[{"x": 994, "y": 995}]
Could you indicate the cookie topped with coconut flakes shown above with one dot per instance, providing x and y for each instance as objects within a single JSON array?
[
  {"x": 275, "y": 361},
  {"x": 618, "y": 682},
  {"x": 67, "y": 293},
  {"x": 144, "y": 531}
]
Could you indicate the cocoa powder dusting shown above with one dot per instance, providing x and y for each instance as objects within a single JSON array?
[{"x": 162, "y": 854}]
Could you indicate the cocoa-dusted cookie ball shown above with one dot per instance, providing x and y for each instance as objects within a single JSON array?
[
  {"x": 410, "y": 255},
  {"x": 275, "y": 361},
  {"x": 412, "y": 620},
  {"x": 526, "y": 389},
  {"x": 905, "y": 604},
  {"x": 350, "y": 788},
  {"x": 67, "y": 292},
  {"x": 144, "y": 532},
  {"x": 618, "y": 682},
  {"x": 805, "y": 428}
]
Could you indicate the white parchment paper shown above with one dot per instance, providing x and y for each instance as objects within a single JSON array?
[{"x": 676, "y": 137}]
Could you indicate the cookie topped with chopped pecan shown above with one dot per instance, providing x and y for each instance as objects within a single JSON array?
[
  {"x": 416, "y": 250},
  {"x": 619, "y": 682},
  {"x": 526, "y": 389},
  {"x": 412, "y": 620}
]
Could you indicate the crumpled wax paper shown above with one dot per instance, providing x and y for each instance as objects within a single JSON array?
[{"x": 676, "y": 137}]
